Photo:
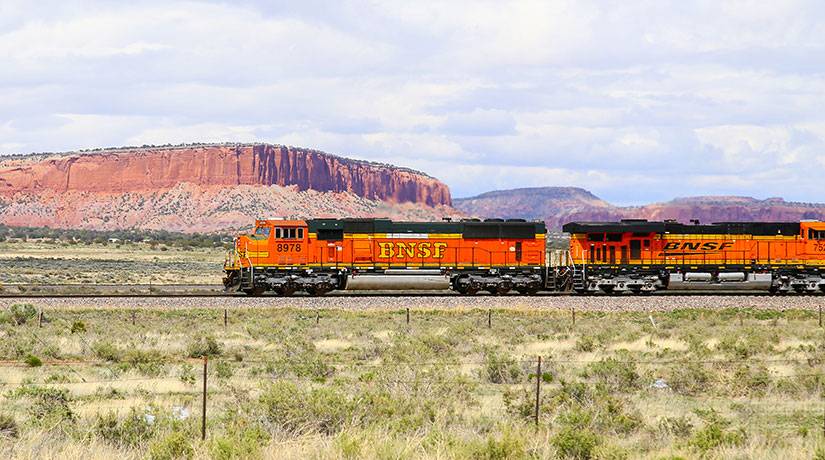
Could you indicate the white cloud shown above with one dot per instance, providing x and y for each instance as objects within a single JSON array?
[{"x": 637, "y": 102}]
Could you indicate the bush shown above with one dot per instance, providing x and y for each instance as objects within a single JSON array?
[
  {"x": 238, "y": 444},
  {"x": 50, "y": 406},
  {"x": 296, "y": 410},
  {"x": 8, "y": 426},
  {"x": 504, "y": 447},
  {"x": 32, "y": 361},
  {"x": 78, "y": 327},
  {"x": 715, "y": 433},
  {"x": 19, "y": 314},
  {"x": 174, "y": 446},
  {"x": 106, "y": 351},
  {"x": 675, "y": 426},
  {"x": 575, "y": 443},
  {"x": 689, "y": 378},
  {"x": 614, "y": 375},
  {"x": 500, "y": 368},
  {"x": 203, "y": 346},
  {"x": 132, "y": 431},
  {"x": 585, "y": 344},
  {"x": 147, "y": 362}
]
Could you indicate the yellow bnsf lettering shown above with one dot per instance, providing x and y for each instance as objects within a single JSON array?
[
  {"x": 386, "y": 251},
  {"x": 425, "y": 250},
  {"x": 401, "y": 250},
  {"x": 407, "y": 249},
  {"x": 439, "y": 250},
  {"x": 698, "y": 246}
]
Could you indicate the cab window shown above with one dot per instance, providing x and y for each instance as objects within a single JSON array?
[
  {"x": 287, "y": 233},
  {"x": 263, "y": 232},
  {"x": 816, "y": 234}
]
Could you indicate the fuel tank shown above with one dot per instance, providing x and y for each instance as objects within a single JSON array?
[{"x": 399, "y": 280}]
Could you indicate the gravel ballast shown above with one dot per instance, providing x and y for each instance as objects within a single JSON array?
[{"x": 606, "y": 303}]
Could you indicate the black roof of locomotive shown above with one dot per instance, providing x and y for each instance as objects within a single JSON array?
[
  {"x": 468, "y": 228},
  {"x": 716, "y": 228}
]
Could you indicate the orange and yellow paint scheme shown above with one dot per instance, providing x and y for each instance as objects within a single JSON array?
[{"x": 318, "y": 255}]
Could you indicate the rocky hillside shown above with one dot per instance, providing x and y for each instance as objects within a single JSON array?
[
  {"x": 145, "y": 169},
  {"x": 207, "y": 187},
  {"x": 559, "y": 205}
]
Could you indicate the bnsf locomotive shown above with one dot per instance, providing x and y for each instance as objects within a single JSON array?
[
  {"x": 497, "y": 256},
  {"x": 319, "y": 255}
]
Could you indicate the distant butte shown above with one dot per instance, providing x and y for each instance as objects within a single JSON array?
[
  {"x": 162, "y": 168},
  {"x": 207, "y": 187}
]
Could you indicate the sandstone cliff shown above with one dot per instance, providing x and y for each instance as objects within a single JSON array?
[
  {"x": 147, "y": 169},
  {"x": 208, "y": 188},
  {"x": 559, "y": 205}
]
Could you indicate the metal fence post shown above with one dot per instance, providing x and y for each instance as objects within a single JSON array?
[
  {"x": 538, "y": 389},
  {"x": 203, "y": 405}
]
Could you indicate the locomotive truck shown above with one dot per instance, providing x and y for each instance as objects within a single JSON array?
[{"x": 502, "y": 256}]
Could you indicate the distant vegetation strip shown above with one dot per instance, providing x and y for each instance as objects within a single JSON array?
[{"x": 81, "y": 236}]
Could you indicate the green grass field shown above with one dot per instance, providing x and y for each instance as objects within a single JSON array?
[{"x": 289, "y": 383}]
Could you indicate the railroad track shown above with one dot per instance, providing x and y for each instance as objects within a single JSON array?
[{"x": 400, "y": 294}]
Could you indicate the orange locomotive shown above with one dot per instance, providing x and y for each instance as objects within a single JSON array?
[
  {"x": 319, "y": 255},
  {"x": 640, "y": 256}
]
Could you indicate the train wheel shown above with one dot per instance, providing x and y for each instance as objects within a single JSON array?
[
  {"x": 471, "y": 290},
  {"x": 502, "y": 289},
  {"x": 257, "y": 291}
]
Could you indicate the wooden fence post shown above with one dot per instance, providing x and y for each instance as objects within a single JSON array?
[
  {"x": 489, "y": 318},
  {"x": 408, "y": 315},
  {"x": 225, "y": 317}
]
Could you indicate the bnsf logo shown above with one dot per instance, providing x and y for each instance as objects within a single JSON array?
[
  {"x": 698, "y": 246},
  {"x": 418, "y": 250}
]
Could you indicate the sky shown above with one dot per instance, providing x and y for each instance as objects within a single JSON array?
[{"x": 636, "y": 101}]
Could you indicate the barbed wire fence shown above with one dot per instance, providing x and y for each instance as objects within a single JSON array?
[{"x": 544, "y": 376}]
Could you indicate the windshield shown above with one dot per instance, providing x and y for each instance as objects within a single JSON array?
[{"x": 263, "y": 232}]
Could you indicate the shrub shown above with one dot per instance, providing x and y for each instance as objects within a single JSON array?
[
  {"x": 78, "y": 327},
  {"x": 148, "y": 362},
  {"x": 106, "y": 351},
  {"x": 301, "y": 359},
  {"x": 500, "y": 368},
  {"x": 613, "y": 374},
  {"x": 21, "y": 313},
  {"x": 689, "y": 378},
  {"x": 8, "y": 426},
  {"x": 238, "y": 444},
  {"x": 585, "y": 344},
  {"x": 132, "y": 431},
  {"x": 751, "y": 379},
  {"x": 498, "y": 448},
  {"x": 50, "y": 406},
  {"x": 223, "y": 370},
  {"x": 174, "y": 446},
  {"x": 675, "y": 426},
  {"x": 715, "y": 433},
  {"x": 575, "y": 443},
  {"x": 203, "y": 346},
  {"x": 295, "y": 410},
  {"x": 32, "y": 361}
]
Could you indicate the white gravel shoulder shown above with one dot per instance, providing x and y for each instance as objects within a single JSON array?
[{"x": 606, "y": 303}]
